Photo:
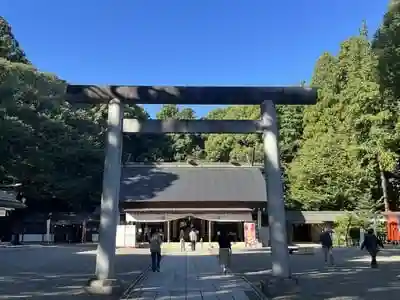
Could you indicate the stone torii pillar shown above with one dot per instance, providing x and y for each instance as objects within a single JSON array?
[
  {"x": 105, "y": 281},
  {"x": 275, "y": 196}
]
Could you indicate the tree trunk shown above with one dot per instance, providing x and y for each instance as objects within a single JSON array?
[
  {"x": 348, "y": 230},
  {"x": 384, "y": 187}
]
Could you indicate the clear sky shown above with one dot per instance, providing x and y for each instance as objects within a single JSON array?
[{"x": 192, "y": 42}]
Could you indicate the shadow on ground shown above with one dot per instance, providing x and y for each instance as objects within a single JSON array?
[
  {"x": 59, "y": 272},
  {"x": 350, "y": 278}
]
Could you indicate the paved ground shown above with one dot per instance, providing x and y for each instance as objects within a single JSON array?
[
  {"x": 57, "y": 272},
  {"x": 191, "y": 276},
  {"x": 351, "y": 278}
]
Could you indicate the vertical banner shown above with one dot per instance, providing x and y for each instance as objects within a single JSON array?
[{"x": 249, "y": 234}]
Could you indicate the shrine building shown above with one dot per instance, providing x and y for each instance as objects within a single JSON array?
[{"x": 171, "y": 197}]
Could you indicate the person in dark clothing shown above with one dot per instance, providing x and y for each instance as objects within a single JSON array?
[
  {"x": 224, "y": 243},
  {"x": 372, "y": 243},
  {"x": 155, "y": 250},
  {"x": 327, "y": 244}
]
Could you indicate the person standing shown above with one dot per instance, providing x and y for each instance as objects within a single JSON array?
[
  {"x": 182, "y": 240},
  {"x": 155, "y": 250},
  {"x": 225, "y": 250},
  {"x": 327, "y": 244},
  {"x": 193, "y": 239},
  {"x": 372, "y": 243}
]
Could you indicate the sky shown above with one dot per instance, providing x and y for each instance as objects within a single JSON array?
[{"x": 192, "y": 42}]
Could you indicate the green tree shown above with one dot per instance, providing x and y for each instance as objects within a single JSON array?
[
  {"x": 179, "y": 147},
  {"x": 9, "y": 46},
  {"x": 290, "y": 120},
  {"x": 386, "y": 45},
  {"x": 168, "y": 111},
  {"x": 330, "y": 171},
  {"x": 246, "y": 147},
  {"x": 351, "y": 221},
  {"x": 55, "y": 152},
  {"x": 234, "y": 147},
  {"x": 350, "y": 139},
  {"x": 362, "y": 114}
]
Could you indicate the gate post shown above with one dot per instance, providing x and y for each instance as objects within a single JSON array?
[
  {"x": 275, "y": 198},
  {"x": 105, "y": 281}
]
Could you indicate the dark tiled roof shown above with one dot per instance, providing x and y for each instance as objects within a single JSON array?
[{"x": 188, "y": 183}]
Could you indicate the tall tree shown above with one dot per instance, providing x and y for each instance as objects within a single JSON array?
[
  {"x": 364, "y": 116},
  {"x": 329, "y": 172},
  {"x": 290, "y": 122},
  {"x": 354, "y": 116},
  {"x": 311, "y": 172},
  {"x": 55, "y": 152},
  {"x": 9, "y": 46},
  {"x": 386, "y": 45}
]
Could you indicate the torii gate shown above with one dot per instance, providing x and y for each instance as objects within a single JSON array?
[{"x": 115, "y": 96}]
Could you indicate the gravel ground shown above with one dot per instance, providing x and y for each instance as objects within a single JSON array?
[
  {"x": 58, "y": 272},
  {"x": 350, "y": 278}
]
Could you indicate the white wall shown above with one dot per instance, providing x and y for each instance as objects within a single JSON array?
[{"x": 126, "y": 236}]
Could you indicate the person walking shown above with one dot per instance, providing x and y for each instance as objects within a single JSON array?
[
  {"x": 182, "y": 240},
  {"x": 327, "y": 244},
  {"x": 155, "y": 250},
  {"x": 225, "y": 250},
  {"x": 372, "y": 243},
  {"x": 193, "y": 239}
]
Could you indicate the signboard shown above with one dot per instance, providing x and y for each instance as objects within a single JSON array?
[{"x": 250, "y": 234}]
